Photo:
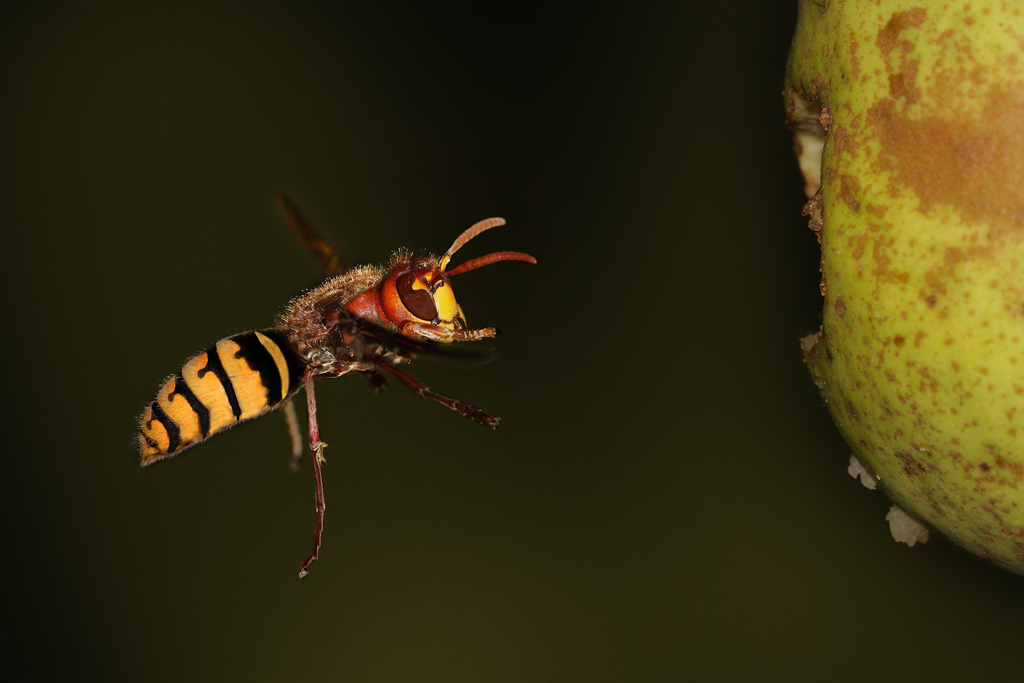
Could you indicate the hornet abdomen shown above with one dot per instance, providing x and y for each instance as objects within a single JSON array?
[{"x": 239, "y": 378}]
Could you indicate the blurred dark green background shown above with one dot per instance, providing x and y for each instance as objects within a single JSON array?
[{"x": 666, "y": 498}]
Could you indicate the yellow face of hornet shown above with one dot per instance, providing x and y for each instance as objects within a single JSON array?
[{"x": 439, "y": 288}]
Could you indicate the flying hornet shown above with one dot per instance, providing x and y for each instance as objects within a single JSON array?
[{"x": 367, "y": 319}]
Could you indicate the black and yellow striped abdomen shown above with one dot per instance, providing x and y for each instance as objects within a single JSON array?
[{"x": 239, "y": 378}]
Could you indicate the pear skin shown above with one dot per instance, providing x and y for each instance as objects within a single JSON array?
[{"x": 908, "y": 121}]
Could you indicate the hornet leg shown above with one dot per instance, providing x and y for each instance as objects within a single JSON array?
[
  {"x": 317, "y": 446},
  {"x": 293, "y": 431},
  {"x": 472, "y": 413}
]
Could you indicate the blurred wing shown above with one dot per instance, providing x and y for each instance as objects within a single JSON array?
[
  {"x": 377, "y": 338},
  {"x": 327, "y": 256}
]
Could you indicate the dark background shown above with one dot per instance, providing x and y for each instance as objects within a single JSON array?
[{"x": 665, "y": 499}]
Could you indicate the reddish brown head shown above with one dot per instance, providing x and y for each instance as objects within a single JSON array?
[{"x": 417, "y": 293}]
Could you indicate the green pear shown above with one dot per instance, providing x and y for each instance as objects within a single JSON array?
[{"x": 908, "y": 121}]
